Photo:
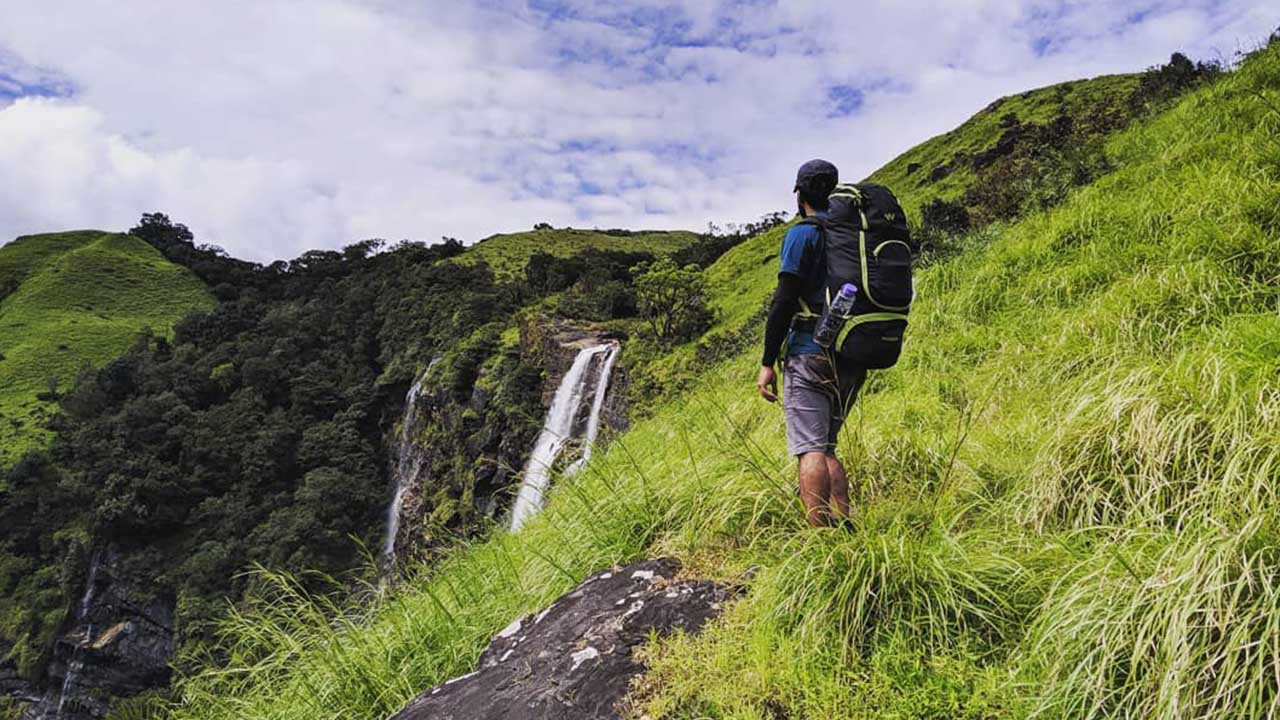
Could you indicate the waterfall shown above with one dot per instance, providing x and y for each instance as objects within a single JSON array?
[
  {"x": 74, "y": 662},
  {"x": 597, "y": 405},
  {"x": 588, "y": 377},
  {"x": 409, "y": 462}
]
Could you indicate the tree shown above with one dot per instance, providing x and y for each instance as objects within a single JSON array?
[{"x": 672, "y": 299}]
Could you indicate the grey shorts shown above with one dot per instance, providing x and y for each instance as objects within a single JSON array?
[{"x": 815, "y": 399}]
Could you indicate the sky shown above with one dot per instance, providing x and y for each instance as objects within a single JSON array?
[{"x": 271, "y": 127}]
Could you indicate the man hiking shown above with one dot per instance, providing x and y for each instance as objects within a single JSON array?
[
  {"x": 815, "y": 397},
  {"x": 846, "y": 273}
]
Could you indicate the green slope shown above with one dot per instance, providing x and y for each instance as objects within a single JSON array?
[
  {"x": 1066, "y": 490},
  {"x": 1095, "y": 106},
  {"x": 71, "y": 299},
  {"x": 508, "y": 254}
]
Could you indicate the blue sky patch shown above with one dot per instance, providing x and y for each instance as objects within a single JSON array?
[
  {"x": 12, "y": 88},
  {"x": 844, "y": 100}
]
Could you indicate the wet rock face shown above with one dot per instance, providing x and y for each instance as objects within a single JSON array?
[
  {"x": 575, "y": 659},
  {"x": 120, "y": 644},
  {"x": 556, "y": 343}
]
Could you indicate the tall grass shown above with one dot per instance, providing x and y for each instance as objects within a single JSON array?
[
  {"x": 1165, "y": 446},
  {"x": 1065, "y": 491},
  {"x": 1164, "y": 625}
]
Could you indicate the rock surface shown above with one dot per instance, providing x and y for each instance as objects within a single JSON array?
[
  {"x": 575, "y": 659},
  {"x": 119, "y": 644}
]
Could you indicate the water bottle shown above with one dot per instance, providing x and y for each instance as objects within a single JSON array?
[{"x": 833, "y": 319}]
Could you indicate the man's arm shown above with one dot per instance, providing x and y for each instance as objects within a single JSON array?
[{"x": 785, "y": 304}]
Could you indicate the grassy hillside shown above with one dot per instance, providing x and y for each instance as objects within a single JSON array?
[
  {"x": 71, "y": 299},
  {"x": 508, "y": 254},
  {"x": 944, "y": 166},
  {"x": 1065, "y": 491}
]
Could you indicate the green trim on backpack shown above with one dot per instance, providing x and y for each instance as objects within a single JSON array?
[
  {"x": 874, "y": 317},
  {"x": 857, "y": 320},
  {"x": 886, "y": 243}
]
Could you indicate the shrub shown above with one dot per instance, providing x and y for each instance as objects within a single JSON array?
[{"x": 672, "y": 299}]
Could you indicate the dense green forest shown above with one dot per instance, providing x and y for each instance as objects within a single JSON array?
[{"x": 254, "y": 433}]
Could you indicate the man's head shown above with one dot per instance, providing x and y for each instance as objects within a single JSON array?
[{"x": 814, "y": 182}]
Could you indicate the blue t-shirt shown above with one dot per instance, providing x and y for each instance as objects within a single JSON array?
[{"x": 802, "y": 255}]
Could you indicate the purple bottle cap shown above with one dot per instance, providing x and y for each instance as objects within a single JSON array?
[{"x": 848, "y": 289}]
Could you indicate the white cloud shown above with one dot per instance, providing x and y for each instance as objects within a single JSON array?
[{"x": 274, "y": 126}]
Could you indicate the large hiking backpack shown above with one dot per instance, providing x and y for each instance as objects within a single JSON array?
[{"x": 866, "y": 242}]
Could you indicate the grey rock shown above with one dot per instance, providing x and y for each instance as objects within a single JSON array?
[
  {"x": 119, "y": 643},
  {"x": 575, "y": 659}
]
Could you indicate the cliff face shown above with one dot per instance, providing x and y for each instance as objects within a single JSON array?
[
  {"x": 469, "y": 442},
  {"x": 118, "y": 644}
]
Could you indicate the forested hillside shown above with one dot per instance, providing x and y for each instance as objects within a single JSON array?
[
  {"x": 255, "y": 431},
  {"x": 71, "y": 300}
]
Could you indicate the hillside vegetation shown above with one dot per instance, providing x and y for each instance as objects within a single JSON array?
[
  {"x": 508, "y": 254},
  {"x": 258, "y": 431},
  {"x": 73, "y": 299},
  {"x": 946, "y": 166},
  {"x": 1065, "y": 491}
]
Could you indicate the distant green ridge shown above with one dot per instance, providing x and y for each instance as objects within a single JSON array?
[
  {"x": 73, "y": 299},
  {"x": 508, "y": 254}
]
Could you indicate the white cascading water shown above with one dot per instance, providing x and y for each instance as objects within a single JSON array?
[
  {"x": 588, "y": 375},
  {"x": 597, "y": 405},
  {"x": 74, "y": 664},
  {"x": 409, "y": 462}
]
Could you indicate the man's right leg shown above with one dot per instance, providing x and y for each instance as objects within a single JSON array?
[{"x": 815, "y": 488}]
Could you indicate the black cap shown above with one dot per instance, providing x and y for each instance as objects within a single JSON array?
[{"x": 817, "y": 178}]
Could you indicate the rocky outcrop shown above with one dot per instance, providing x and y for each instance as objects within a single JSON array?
[
  {"x": 575, "y": 659},
  {"x": 556, "y": 343},
  {"x": 119, "y": 644}
]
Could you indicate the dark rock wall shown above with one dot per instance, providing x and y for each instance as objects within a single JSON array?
[{"x": 119, "y": 643}]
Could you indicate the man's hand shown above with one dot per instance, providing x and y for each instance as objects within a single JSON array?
[{"x": 767, "y": 383}]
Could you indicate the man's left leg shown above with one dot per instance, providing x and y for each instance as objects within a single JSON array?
[
  {"x": 839, "y": 487},
  {"x": 849, "y": 380},
  {"x": 815, "y": 488}
]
